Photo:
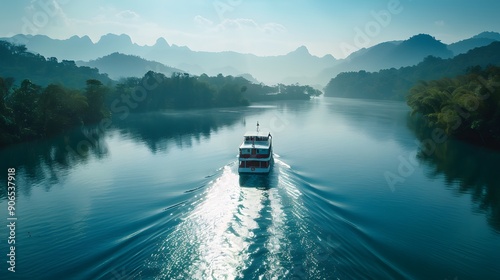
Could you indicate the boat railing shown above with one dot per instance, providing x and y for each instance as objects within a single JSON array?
[
  {"x": 255, "y": 155},
  {"x": 257, "y": 142}
]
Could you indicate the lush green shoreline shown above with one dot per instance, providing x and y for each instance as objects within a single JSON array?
[
  {"x": 50, "y": 99},
  {"x": 466, "y": 107},
  {"x": 31, "y": 111}
]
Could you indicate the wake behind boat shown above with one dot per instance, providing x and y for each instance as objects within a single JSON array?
[{"x": 256, "y": 152}]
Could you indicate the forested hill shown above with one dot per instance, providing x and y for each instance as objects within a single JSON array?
[
  {"x": 41, "y": 97},
  {"x": 20, "y": 64},
  {"x": 394, "y": 84},
  {"x": 466, "y": 107},
  {"x": 118, "y": 65}
]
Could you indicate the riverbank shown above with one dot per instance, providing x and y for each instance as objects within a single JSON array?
[{"x": 465, "y": 107}]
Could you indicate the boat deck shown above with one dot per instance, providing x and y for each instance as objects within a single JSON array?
[{"x": 256, "y": 152}]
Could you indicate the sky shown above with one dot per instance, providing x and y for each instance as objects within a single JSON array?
[{"x": 261, "y": 27}]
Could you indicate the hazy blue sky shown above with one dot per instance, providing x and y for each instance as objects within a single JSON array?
[{"x": 263, "y": 27}]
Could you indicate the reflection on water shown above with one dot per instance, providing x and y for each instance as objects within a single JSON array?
[
  {"x": 49, "y": 160},
  {"x": 467, "y": 169},
  {"x": 377, "y": 119},
  {"x": 242, "y": 227},
  {"x": 134, "y": 201},
  {"x": 157, "y": 130}
]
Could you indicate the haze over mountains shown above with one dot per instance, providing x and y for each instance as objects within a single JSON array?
[
  {"x": 394, "y": 84},
  {"x": 118, "y": 65},
  {"x": 118, "y": 56}
]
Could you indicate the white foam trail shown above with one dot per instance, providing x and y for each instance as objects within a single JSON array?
[
  {"x": 277, "y": 245},
  {"x": 215, "y": 239},
  {"x": 212, "y": 240}
]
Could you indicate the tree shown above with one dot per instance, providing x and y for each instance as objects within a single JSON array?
[
  {"x": 96, "y": 93},
  {"x": 229, "y": 95},
  {"x": 5, "y": 85},
  {"x": 8, "y": 129},
  {"x": 24, "y": 104},
  {"x": 467, "y": 107},
  {"x": 61, "y": 109}
]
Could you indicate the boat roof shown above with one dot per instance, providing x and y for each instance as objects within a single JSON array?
[
  {"x": 261, "y": 133},
  {"x": 256, "y": 146}
]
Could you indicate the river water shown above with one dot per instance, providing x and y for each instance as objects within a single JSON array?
[{"x": 353, "y": 194}]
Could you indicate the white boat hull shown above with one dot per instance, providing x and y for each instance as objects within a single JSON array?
[{"x": 256, "y": 153}]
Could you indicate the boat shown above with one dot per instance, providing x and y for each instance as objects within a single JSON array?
[{"x": 256, "y": 152}]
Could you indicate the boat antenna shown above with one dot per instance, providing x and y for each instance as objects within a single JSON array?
[{"x": 257, "y": 126}]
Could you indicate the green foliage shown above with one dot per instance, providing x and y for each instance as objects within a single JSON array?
[
  {"x": 24, "y": 104},
  {"x": 467, "y": 107},
  {"x": 95, "y": 93},
  {"x": 32, "y": 111},
  {"x": 20, "y": 64},
  {"x": 61, "y": 109},
  {"x": 155, "y": 91},
  {"x": 262, "y": 92},
  {"x": 43, "y": 104}
]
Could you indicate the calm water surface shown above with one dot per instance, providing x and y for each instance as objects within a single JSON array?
[{"x": 351, "y": 196}]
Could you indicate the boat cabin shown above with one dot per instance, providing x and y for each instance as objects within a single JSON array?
[{"x": 255, "y": 153}]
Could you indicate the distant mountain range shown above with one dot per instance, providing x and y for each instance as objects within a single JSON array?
[
  {"x": 271, "y": 70},
  {"x": 395, "y": 83},
  {"x": 118, "y": 56},
  {"x": 387, "y": 55},
  {"x": 118, "y": 65},
  {"x": 480, "y": 40},
  {"x": 18, "y": 64}
]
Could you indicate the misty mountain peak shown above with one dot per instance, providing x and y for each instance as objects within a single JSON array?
[
  {"x": 422, "y": 39},
  {"x": 302, "y": 50},
  {"x": 86, "y": 39},
  {"x": 480, "y": 40},
  {"x": 110, "y": 38},
  {"x": 414, "y": 49},
  {"x": 488, "y": 35},
  {"x": 161, "y": 42},
  {"x": 425, "y": 43},
  {"x": 77, "y": 39},
  {"x": 329, "y": 56}
]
